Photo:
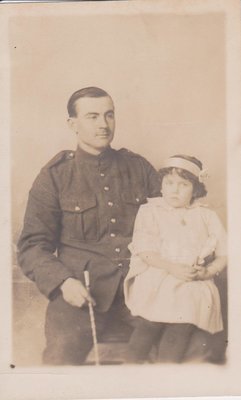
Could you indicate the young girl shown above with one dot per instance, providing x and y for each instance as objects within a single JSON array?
[{"x": 178, "y": 246}]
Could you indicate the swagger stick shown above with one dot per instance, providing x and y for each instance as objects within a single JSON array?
[{"x": 92, "y": 319}]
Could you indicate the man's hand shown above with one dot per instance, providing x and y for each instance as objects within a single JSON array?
[
  {"x": 75, "y": 293},
  {"x": 183, "y": 272}
]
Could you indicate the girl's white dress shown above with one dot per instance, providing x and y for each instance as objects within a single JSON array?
[{"x": 178, "y": 235}]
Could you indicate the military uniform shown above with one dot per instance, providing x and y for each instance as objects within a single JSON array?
[{"x": 80, "y": 215}]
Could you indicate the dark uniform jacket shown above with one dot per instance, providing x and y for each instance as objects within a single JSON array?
[{"x": 80, "y": 215}]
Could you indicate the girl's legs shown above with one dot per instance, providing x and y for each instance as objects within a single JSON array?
[
  {"x": 207, "y": 347},
  {"x": 144, "y": 336},
  {"x": 174, "y": 342}
]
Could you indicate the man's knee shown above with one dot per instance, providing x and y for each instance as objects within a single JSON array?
[{"x": 68, "y": 334}]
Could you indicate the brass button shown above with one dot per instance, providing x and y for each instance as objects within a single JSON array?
[
  {"x": 102, "y": 174},
  {"x": 117, "y": 250},
  {"x": 112, "y": 235},
  {"x": 77, "y": 208},
  {"x": 120, "y": 265},
  {"x": 110, "y": 203},
  {"x": 106, "y": 188},
  {"x": 113, "y": 220},
  {"x": 137, "y": 200}
]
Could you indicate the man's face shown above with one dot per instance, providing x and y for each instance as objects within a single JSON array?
[{"x": 94, "y": 123}]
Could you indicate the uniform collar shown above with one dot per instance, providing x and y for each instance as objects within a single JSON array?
[{"x": 104, "y": 157}]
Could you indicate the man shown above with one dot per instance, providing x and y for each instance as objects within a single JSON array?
[{"x": 80, "y": 216}]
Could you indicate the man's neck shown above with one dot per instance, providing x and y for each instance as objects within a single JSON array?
[{"x": 91, "y": 150}]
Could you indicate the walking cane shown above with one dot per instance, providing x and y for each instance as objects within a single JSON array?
[{"x": 92, "y": 319}]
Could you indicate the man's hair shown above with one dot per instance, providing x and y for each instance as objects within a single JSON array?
[
  {"x": 199, "y": 189},
  {"x": 86, "y": 92}
]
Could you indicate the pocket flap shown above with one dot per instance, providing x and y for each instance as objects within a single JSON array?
[
  {"x": 135, "y": 199},
  {"x": 78, "y": 205}
]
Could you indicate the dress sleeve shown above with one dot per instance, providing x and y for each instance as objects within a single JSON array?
[
  {"x": 216, "y": 229},
  {"x": 146, "y": 235}
]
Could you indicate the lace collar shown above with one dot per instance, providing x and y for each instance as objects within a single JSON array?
[{"x": 160, "y": 202}]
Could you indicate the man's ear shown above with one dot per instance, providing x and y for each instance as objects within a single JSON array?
[{"x": 72, "y": 124}]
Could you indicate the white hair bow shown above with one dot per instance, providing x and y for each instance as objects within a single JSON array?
[{"x": 203, "y": 175}]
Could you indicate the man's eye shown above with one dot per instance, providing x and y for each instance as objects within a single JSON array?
[
  {"x": 92, "y": 116},
  {"x": 110, "y": 115}
]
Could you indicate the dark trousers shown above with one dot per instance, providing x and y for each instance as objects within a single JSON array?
[
  {"x": 146, "y": 334},
  {"x": 68, "y": 330}
]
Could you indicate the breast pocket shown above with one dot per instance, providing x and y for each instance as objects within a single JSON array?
[
  {"x": 131, "y": 202},
  {"x": 80, "y": 218}
]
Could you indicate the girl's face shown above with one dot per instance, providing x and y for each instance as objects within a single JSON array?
[{"x": 177, "y": 191}]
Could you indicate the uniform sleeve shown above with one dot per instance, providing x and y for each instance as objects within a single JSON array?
[
  {"x": 216, "y": 229},
  {"x": 152, "y": 180},
  {"x": 146, "y": 235},
  {"x": 39, "y": 238}
]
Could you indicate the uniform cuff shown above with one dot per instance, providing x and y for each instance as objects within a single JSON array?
[{"x": 49, "y": 278}]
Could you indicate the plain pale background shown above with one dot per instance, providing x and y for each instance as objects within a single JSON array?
[
  {"x": 165, "y": 73},
  {"x": 172, "y": 74}
]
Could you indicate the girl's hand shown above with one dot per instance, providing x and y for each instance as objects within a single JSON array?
[
  {"x": 202, "y": 273},
  {"x": 183, "y": 272},
  {"x": 214, "y": 268}
]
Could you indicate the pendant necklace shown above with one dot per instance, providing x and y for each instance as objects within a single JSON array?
[{"x": 183, "y": 220}]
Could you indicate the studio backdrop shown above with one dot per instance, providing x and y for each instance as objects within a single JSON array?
[{"x": 166, "y": 75}]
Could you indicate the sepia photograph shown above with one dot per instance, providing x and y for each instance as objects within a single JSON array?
[{"x": 120, "y": 186}]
